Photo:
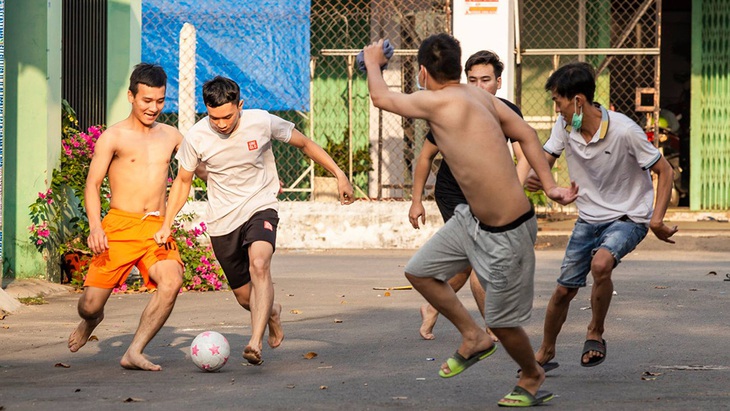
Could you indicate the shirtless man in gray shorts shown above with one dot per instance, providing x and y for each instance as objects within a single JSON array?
[{"x": 496, "y": 231}]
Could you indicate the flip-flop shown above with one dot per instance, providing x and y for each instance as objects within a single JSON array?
[
  {"x": 593, "y": 345},
  {"x": 548, "y": 366},
  {"x": 524, "y": 398},
  {"x": 457, "y": 364}
]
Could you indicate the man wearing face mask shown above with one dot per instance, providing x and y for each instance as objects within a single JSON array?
[
  {"x": 609, "y": 157},
  {"x": 484, "y": 70}
]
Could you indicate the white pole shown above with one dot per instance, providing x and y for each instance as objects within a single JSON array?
[{"x": 186, "y": 92}]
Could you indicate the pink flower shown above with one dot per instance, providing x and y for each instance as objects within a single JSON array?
[{"x": 41, "y": 196}]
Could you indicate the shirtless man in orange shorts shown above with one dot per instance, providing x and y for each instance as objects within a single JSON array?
[{"x": 135, "y": 154}]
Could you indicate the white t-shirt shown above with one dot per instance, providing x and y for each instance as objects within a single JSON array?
[
  {"x": 612, "y": 170},
  {"x": 242, "y": 178}
]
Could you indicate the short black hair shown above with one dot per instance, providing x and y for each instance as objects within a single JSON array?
[
  {"x": 219, "y": 91},
  {"x": 485, "y": 57},
  {"x": 573, "y": 79},
  {"x": 151, "y": 75},
  {"x": 440, "y": 54}
]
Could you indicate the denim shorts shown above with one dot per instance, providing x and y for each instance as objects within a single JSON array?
[{"x": 618, "y": 237}]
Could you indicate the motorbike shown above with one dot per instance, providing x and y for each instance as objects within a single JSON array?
[{"x": 669, "y": 144}]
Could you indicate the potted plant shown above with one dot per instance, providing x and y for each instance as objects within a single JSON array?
[{"x": 325, "y": 184}]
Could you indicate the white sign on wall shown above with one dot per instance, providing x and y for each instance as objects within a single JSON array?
[{"x": 487, "y": 25}]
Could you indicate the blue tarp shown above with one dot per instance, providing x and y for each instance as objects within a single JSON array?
[{"x": 261, "y": 44}]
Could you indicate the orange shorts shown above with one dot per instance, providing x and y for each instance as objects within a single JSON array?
[{"x": 131, "y": 243}]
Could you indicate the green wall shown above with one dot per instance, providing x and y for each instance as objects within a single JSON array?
[
  {"x": 32, "y": 124},
  {"x": 123, "y": 52}
]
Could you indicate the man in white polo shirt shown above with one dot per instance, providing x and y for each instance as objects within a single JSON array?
[
  {"x": 234, "y": 147},
  {"x": 609, "y": 158}
]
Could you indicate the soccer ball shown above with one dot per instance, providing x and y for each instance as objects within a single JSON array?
[{"x": 210, "y": 351}]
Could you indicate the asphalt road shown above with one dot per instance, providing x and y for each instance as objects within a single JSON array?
[{"x": 667, "y": 337}]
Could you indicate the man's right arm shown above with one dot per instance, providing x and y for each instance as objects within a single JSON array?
[
  {"x": 422, "y": 169},
  {"x": 414, "y": 105},
  {"x": 103, "y": 154},
  {"x": 175, "y": 202},
  {"x": 519, "y": 130}
]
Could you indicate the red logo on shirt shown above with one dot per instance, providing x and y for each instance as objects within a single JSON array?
[
  {"x": 268, "y": 226},
  {"x": 253, "y": 145}
]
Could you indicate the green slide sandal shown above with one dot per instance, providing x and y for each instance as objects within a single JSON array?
[{"x": 457, "y": 364}]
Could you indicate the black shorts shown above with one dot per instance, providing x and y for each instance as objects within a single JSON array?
[{"x": 231, "y": 250}]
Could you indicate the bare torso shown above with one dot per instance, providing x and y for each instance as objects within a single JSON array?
[
  {"x": 470, "y": 137},
  {"x": 139, "y": 166}
]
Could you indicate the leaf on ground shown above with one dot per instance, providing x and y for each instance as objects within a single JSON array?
[
  {"x": 295, "y": 312},
  {"x": 93, "y": 338},
  {"x": 337, "y": 321},
  {"x": 291, "y": 386},
  {"x": 322, "y": 387},
  {"x": 712, "y": 273},
  {"x": 132, "y": 399},
  {"x": 400, "y": 398},
  {"x": 310, "y": 355},
  {"x": 651, "y": 374},
  {"x": 386, "y": 294},
  {"x": 62, "y": 365}
]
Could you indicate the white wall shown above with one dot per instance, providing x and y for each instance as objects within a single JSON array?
[{"x": 487, "y": 25}]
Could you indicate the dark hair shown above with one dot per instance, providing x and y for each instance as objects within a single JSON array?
[
  {"x": 151, "y": 75},
  {"x": 440, "y": 54},
  {"x": 573, "y": 79},
  {"x": 219, "y": 91},
  {"x": 485, "y": 57}
]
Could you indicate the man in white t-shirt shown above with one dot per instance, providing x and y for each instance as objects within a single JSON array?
[
  {"x": 234, "y": 147},
  {"x": 609, "y": 157}
]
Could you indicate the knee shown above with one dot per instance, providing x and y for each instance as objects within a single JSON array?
[
  {"x": 170, "y": 284},
  {"x": 564, "y": 295},
  {"x": 602, "y": 265},
  {"x": 89, "y": 309},
  {"x": 243, "y": 296},
  {"x": 259, "y": 266}
]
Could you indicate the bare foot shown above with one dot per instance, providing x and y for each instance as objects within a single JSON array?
[
  {"x": 138, "y": 362},
  {"x": 491, "y": 334},
  {"x": 429, "y": 315},
  {"x": 252, "y": 355},
  {"x": 81, "y": 334},
  {"x": 276, "y": 333}
]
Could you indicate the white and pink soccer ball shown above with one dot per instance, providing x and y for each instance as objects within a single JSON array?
[{"x": 210, "y": 351}]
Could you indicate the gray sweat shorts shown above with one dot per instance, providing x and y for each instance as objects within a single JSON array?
[{"x": 502, "y": 257}]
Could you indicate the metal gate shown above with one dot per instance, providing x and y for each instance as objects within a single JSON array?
[
  {"x": 620, "y": 38},
  {"x": 379, "y": 148},
  {"x": 710, "y": 137}
]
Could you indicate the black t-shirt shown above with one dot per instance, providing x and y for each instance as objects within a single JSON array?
[{"x": 447, "y": 190}]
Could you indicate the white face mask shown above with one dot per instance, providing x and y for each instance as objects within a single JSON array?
[{"x": 418, "y": 82}]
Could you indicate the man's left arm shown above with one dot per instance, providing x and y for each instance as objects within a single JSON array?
[
  {"x": 317, "y": 153},
  {"x": 665, "y": 179}
]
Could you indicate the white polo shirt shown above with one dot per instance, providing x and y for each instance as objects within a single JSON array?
[
  {"x": 612, "y": 170},
  {"x": 242, "y": 178}
]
